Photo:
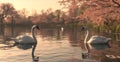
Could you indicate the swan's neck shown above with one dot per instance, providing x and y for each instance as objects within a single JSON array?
[
  {"x": 87, "y": 36},
  {"x": 33, "y": 35},
  {"x": 34, "y": 46}
]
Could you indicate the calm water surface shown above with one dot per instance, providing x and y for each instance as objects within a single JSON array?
[{"x": 57, "y": 46}]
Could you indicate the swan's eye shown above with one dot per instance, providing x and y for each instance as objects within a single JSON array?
[{"x": 83, "y": 28}]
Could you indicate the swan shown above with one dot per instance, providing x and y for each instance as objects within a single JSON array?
[
  {"x": 94, "y": 39},
  {"x": 25, "y": 39}
]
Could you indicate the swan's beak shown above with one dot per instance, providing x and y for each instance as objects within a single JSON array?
[{"x": 37, "y": 27}]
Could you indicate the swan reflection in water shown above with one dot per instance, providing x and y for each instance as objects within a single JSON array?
[
  {"x": 23, "y": 47},
  {"x": 87, "y": 54}
]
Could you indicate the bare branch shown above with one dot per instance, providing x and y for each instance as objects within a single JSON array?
[{"x": 116, "y": 3}]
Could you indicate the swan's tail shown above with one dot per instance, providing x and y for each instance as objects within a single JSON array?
[
  {"x": 14, "y": 39},
  {"x": 108, "y": 39}
]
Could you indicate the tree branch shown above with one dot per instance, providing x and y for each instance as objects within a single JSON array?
[{"x": 116, "y": 3}]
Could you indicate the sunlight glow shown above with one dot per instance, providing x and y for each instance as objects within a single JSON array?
[{"x": 32, "y": 5}]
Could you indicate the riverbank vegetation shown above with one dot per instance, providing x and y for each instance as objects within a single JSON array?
[{"x": 102, "y": 15}]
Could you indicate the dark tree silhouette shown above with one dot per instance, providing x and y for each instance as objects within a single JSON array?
[{"x": 6, "y": 10}]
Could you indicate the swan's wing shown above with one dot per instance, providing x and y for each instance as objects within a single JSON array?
[
  {"x": 98, "y": 39},
  {"x": 26, "y": 39},
  {"x": 98, "y": 46}
]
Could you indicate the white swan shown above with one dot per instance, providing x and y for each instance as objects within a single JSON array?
[
  {"x": 94, "y": 39},
  {"x": 25, "y": 39}
]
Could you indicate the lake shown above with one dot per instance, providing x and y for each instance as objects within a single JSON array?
[{"x": 55, "y": 45}]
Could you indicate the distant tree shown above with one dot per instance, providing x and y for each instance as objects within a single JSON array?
[
  {"x": 43, "y": 16},
  {"x": 72, "y": 6},
  {"x": 23, "y": 13},
  {"x": 24, "y": 17},
  {"x": 7, "y": 11},
  {"x": 59, "y": 15}
]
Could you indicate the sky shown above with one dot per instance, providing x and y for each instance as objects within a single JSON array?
[{"x": 32, "y": 5}]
